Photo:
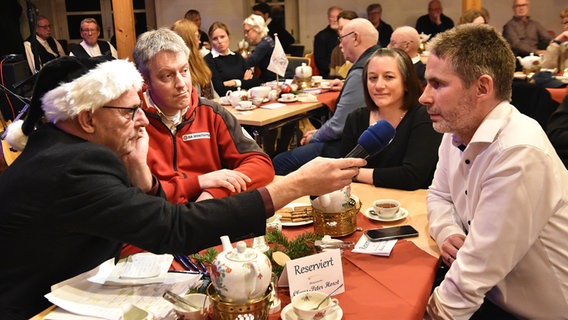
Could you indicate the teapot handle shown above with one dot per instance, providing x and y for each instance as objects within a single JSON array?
[{"x": 256, "y": 273}]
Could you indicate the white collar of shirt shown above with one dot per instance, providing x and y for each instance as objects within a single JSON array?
[
  {"x": 489, "y": 128},
  {"x": 170, "y": 121},
  {"x": 93, "y": 51},
  {"x": 216, "y": 53},
  {"x": 415, "y": 59}
]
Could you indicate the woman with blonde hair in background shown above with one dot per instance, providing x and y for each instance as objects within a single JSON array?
[
  {"x": 256, "y": 33},
  {"x": 200, "y": 73}
]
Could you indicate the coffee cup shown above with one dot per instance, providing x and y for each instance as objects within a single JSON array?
[
  {"x": 304, "y": 303},
  {"x": 201, "y": 301},
  {"x": 386, "y": 208},
  {"x": 257, "y": 101},
  {"x": 245, "y": 105},
  {"x": 316, "y": 80},
  {"x": 287, "y": 96},
  {"x": 325, "y": 85}
]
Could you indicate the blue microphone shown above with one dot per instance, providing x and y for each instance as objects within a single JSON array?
[{"x": 373, "y": 140}]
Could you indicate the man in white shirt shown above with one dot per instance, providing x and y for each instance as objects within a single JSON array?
[
  {"x": 42, "y": 47},
  {"x": 91, "y": 46},
  {"x": 498, "y": 204},
  {"x": 407, "y": 38}
]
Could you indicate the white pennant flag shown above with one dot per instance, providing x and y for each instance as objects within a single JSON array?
[{"x": 278, "y": 59}]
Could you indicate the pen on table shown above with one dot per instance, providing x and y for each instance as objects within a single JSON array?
[
  {"x": 181, "y": 260},
  {"x": 203, "y": 267},
  {"x": 193, "y": 265},
  {"x": 184, "y": 271}
]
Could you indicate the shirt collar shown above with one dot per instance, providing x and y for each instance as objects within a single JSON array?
[
  {"x": 490, "y": 127},
  {"x": 216, "y": 53},
  {"x": 170, "y": 121},
  {"x": 415, "y": 59}
]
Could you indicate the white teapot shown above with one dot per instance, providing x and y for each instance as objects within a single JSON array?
[
  {"x": 531, "y": 63},
  {"x": 303, "y": 71},
  {"x": 241, "y": 274},
  {"x": 236, "y": 96}
]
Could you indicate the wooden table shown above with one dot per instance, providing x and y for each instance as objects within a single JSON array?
[
  {"x": 394, "y": 287},
  {"x": 261, "y": 120}
]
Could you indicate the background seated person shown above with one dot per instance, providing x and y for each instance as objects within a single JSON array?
[
  {"x": 82, "y": 187},
  {"x": 256, "y": 33},
  {"x": 198, "y": 68},
  {"x": 197, "y": 148},
  {"x": 524, "y": 34},
  {"x": 41, "y": 47},
  {"x": 435, "y": 21},
  {"x": 91, "y": 46},
  {"x": 228, "y": 68},
  {"x": 473, "y": 16},
  {"x": 556, "y": 55},
  {"x": 391, "y": 91},
  {"x": 358, "y": 41},
  {"x": 408, "y": 39},
  {"x": 338, "y": 66}
]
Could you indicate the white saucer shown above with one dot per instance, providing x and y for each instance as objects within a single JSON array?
[
  {"x": 336, "y": 313},
  {"x": 298, "y": 223},
  {"x": 401, "y": 214},
  {"x": 287, "y": 101},
  {"x": 239, "y": 108}
]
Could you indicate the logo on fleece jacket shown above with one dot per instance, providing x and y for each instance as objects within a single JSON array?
[{"x": 196, "y": 136}]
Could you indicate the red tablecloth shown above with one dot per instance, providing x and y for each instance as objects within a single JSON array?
[
  {"x": 558, "y": 94},
  {"x": 329, "y": 98},
  {"x": 394, "y": 287}
]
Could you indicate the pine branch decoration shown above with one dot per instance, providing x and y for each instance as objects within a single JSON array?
[{"x": 303, "y": 245}]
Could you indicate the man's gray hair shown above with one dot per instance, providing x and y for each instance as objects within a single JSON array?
[{"x": 153, "y": 42}]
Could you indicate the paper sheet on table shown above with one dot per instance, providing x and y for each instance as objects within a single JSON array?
[
  {"x": 81, "y": 296},
  {"x": 378, "y": 248},
  {"x": 273, "y": 105},
  {"x": 140, "y": 268}
]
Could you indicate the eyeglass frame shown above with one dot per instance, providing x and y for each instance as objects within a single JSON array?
[
  {"x": 246, "y": 31},
  {"x": 90, "y": 30},
  {"x": 133, "y": 109},
  {"x": 48, "y": 26},
  {"x": 340, "y": 38}
]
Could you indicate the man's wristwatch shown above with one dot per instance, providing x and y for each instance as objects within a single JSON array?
[{"x": 555, "y": 41}]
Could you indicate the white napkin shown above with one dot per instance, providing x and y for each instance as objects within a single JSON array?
[{"x": 273, "y": 105}]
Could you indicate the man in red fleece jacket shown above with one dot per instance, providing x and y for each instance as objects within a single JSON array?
[{"x": 197, "y": 148}]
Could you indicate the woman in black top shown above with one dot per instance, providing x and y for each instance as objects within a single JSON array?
[
  {"x": 228, "y": 68},
  {"x": 391, "y": 93}
]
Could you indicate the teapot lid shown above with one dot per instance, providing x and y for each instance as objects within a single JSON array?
[{"x": 242, "y": 253}]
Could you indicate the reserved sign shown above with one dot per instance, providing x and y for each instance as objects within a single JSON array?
[{"x": 319, "y": 272}]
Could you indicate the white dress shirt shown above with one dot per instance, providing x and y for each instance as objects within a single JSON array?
[{"x": 508, "y": 192}]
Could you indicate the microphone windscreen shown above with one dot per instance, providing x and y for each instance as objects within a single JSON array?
[{"x": 376, "y": 137}]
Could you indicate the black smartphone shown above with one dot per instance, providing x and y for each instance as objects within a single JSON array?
[{"x": 391, "y": 233}]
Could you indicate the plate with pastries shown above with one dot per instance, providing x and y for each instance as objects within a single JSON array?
[{"x": 296, "y": 214}]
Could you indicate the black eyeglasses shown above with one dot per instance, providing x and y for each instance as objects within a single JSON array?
[
  {"x": 345, "y": 35},
  {"x": 133, "y": 109}
]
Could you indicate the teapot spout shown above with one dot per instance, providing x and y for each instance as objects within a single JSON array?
[{"x": 226, "y": 242}]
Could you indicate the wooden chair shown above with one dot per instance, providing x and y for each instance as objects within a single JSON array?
[{"x": 315, "y": 71}]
